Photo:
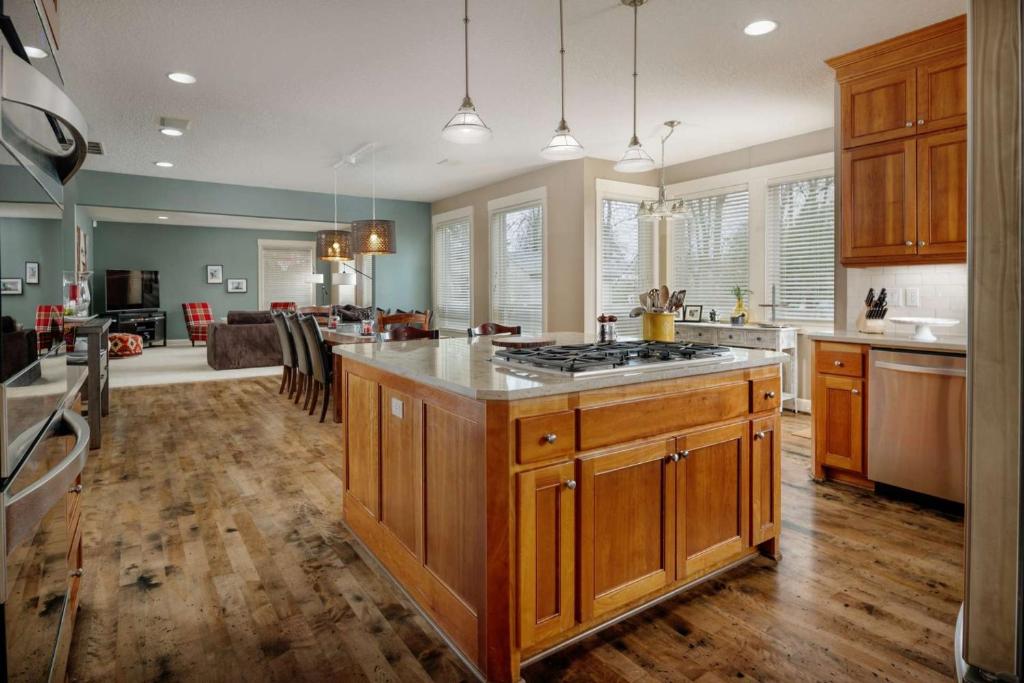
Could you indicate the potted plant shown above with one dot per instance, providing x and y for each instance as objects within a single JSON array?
[{"x": 740, "y": 311}]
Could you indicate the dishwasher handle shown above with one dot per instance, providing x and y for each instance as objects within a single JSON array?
[{"x": 920, "y": 369}]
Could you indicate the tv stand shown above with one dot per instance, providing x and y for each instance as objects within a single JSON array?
[{"x": 150, "y": 324}]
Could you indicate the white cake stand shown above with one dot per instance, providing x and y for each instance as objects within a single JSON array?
[{"x": 923, "y": 326}]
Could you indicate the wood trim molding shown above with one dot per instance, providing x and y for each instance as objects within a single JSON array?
[{"x": 902, "y": 41}]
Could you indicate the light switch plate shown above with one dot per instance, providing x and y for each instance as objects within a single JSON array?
[
  {"x": 397, "y": 408},
  {"x": 913, "y": 296}
]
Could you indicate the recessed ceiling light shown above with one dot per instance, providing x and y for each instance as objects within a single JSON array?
[
  {"x": 182, "y": 77},
  {"x": 760, "y": 27},
  {"x": 173, "y": 127},
  {"x": 161, "y": 218},
  {"x": 173, "y": 132},
  {"x": 163, "y": 164},
  {"x": 35, "y": 52}
]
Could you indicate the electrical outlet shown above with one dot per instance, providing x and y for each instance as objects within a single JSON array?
[
  {"x": 397, "y": 408},
  {"x": 913, "y": 296}
]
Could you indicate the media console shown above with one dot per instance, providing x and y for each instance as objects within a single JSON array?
[{"x": 150, "y": 324}]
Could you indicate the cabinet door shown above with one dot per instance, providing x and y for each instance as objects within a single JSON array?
[
  {"x": 878, "y": 108},
  {"x": 401, "y": 468},
  {"x": 362, "y": 452},
  {"x": 942, "y": 93},
  {"x": 879, "y": 213},
  {"x": 839, "y": 422},
  {"x": 547, "y": 543},
  {"x": 765, "y": 478},
  {"x": 942, "y": 193},
  {"x": 626, "y": 501},
  {"x": 712, "y": 498}
]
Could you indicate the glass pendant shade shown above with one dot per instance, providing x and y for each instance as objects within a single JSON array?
[
  {"x": 374, "y": 236},
  {"x": 334, "y": 245},
  {"x": 563, "y": 145},
  {"x": 635, "y": 160},
  {"x": 466, "y": 127}
]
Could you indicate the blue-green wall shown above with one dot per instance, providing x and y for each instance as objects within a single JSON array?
[
  {"x": 30, "y": 239},
  {"x": 180, "y": 254}
]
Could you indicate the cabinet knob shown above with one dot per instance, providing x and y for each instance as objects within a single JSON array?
[
  {"x": 921, "y": 243},
  {"x": 684, "y": 454},
  {"x": 78, "y": 572},
  {"x": 759, "y": 435},
  {"x": 910, "y": 243},
  {"x": 551, "y": 438},
  {"x": 769, "y": 394},
  {"x": 674, "y": 457},
  {"x": 571, "y": 484},
  {"x": 854, "y": 391},
  {"x": 77, "y": 488},
  {"x": 838, "y": 363},
  {"x": 909, "y": 124},
  {"x": 920, "y": 122}
]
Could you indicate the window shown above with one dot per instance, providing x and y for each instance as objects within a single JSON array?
[
  {"x": 710, "y": 249},
  {"x": 517, "y": 266},
  {"x": 285, "y": 267},
  {"x": 364, "y": 283},
  {"x": 626, "y": 261},
  {"x": 801, "y": 248},
  {"x": 453, "y": 274}
]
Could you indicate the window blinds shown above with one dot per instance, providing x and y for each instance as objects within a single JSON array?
[
  {"x": 517, "y": 267},
  {"x": 710, "y": 249},
  {"x": 284, "y": 275},
  {"x": 452, "y": 275},
  {"x": 627, "y": 260},
  {"x": 801, "y": 248}
]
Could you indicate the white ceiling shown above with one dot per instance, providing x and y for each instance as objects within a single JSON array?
[{"x": 287, "y": 88}]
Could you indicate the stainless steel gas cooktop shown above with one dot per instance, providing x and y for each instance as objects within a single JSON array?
[{"x": 586, "y": 360}]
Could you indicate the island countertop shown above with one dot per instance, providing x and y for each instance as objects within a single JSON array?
[
  {"x": 463, "y": 366},
  {"x": 945, "y": 344}
]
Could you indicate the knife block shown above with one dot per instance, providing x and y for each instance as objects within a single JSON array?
[{"x": 869, "y": 325}]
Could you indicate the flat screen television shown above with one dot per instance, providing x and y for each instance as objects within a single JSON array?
[{"x": 132, "y": 289}]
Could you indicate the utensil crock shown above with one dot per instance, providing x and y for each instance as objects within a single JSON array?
[{"x": 659, "y": 327}]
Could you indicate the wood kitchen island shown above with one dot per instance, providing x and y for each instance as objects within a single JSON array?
[{"x": 522, "y": 510}]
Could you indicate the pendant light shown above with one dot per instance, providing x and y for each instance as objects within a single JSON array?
[
  {"x": 334, "y": 245},
  {"x": 635, "y": 159},
  {"x": 564, "y": 144},
  {"x": 466, "y": 127},
  {"x": 373, "y": 236},
  {"x": 663, "y": 208}
]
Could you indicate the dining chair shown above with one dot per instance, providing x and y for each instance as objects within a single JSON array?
[
  {"x": 302, "y": 365},
  {"x": 484, "y": 329},
  {"x": 287, "y": 350},
  {"x": 414, "y": 318},
  {"x": 406, "y": 333},
  {"x": 319, "y": 363}
]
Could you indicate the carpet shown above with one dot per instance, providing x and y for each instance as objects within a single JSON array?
[{"x": 175, "y": 365}]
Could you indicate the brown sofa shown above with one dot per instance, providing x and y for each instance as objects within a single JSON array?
[{"x": 247, "y": 340}]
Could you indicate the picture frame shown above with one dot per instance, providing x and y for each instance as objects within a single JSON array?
[
  {"x": 214, "y": 274},
  {"x": 238, "y": 285},
  {"x": 31, "y": 272},
  {"x": 10, "y": 286},
  {"x": 692, "y": 313}
]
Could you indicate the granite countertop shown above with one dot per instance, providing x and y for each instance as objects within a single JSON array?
[
  {"x": 953, "y": 343},
  {"x": 463, "y": 366}
]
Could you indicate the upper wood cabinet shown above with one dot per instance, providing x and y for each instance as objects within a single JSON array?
[{"x": 902, "y": 114}]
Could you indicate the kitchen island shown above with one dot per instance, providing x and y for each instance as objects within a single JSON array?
[{"x": 523, "y": 509}]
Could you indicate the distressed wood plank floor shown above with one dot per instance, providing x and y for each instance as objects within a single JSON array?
[{"x": 215, "y": 552}]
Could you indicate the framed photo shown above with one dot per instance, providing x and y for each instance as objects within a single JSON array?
[
  {"x": 31, "y": 272},
  {"x": 214, "y": 275},
  {"x": 692, "y": 313},
  {"x": 10, "y": 285},
  {"x": 238, "y": 285}
]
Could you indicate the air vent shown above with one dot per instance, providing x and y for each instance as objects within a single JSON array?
[{"x": 92, "y": 147}]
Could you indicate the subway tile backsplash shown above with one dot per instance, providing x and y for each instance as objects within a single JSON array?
[{"x": 942, "y": 288}]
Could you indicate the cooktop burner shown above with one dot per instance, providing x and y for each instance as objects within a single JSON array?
[{"x": 588, "y": 359}]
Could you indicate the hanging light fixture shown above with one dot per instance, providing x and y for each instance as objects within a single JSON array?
[
  {"x": 335, "y": 244},
  {"x": 466, "y": 127},
  {"x": 635, "y": 159},
  {"x": 663, "y": 208},
  {"x": 373, "y": 236},
  {"x": 564, "y": 144}
]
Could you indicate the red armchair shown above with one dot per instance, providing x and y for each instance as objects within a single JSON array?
[
  {"x": 198, "y": 318},
  {"x": 48, "y": 316}
]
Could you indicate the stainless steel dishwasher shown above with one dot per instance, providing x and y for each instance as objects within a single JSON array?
[{"x": 917, "y": 416}]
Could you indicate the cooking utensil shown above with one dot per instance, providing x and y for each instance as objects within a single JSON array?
[
  {"x": 663, "y": 298},
  {"x": 637, "y": 312}
]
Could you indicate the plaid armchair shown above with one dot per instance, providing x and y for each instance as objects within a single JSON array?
[
  {"x": 283, "y": 306},
  {"x": 198, "y": 318},
  {"x": 48, "y": 317}
]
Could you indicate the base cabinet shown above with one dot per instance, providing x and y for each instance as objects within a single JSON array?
[
  {"x": 765, "y": 478},
  {"x": 840, "y": 383}
]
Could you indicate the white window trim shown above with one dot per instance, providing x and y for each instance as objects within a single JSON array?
[
  {"x": 537, "y": 194},
  {"x": 755, "y": 180},
  {"x": 437, "y": 220},
  {"x": 281, "y": 244},
  {"x": 610, "y": 189}
]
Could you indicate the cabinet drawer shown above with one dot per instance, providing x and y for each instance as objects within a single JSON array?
[
  {"x": 545, "y": 437},
  {"x": 765, "y": 394},
  {"x": 697, "y": 334},
  {"x": 732, "y": 337},
  {"x": 840, "y": 359},
  {"x": 756, "y": 339}
]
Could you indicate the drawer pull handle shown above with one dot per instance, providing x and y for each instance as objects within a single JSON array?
[
  {"x": 920, "y": 122},
  {"x": 909, "y": 124},
  {"x": 684, "y": 454},
  {"x": 838, "y": 363},
  {"x": 571, "y": 484},
  {"x": 921, "y": 243},
  {"x": 674, "y": 457},
  {"x": 854, "y": 391},
  {"x": 910, "y": 243},
  {"x": 551, "y": 438},
  {"x": 769, "y": 394},
  {"x": 77, "y": 488},
  {"x": 759, "y": 435},
  {"x": 78, "y": 572}
]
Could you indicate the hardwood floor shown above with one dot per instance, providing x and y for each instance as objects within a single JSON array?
[{"x": 215, "y": 551}]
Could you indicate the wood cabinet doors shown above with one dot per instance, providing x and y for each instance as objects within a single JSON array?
[
  {"x": 362, "y": 452},
  {"x": 942, "y": 193},
  {"x": 547, "y": 545},
  {"x": 942, "y": 93},
  {"x": 765, "y": 478},
  {"x": 879, "y": 108},
  {"x": 879, "y": 208},
  {"x": 627, "y": 535},
  {"x": 712, "y": 497},
  {"x": 401, "y": 468},
  {"x": 839, "y": 422}
]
